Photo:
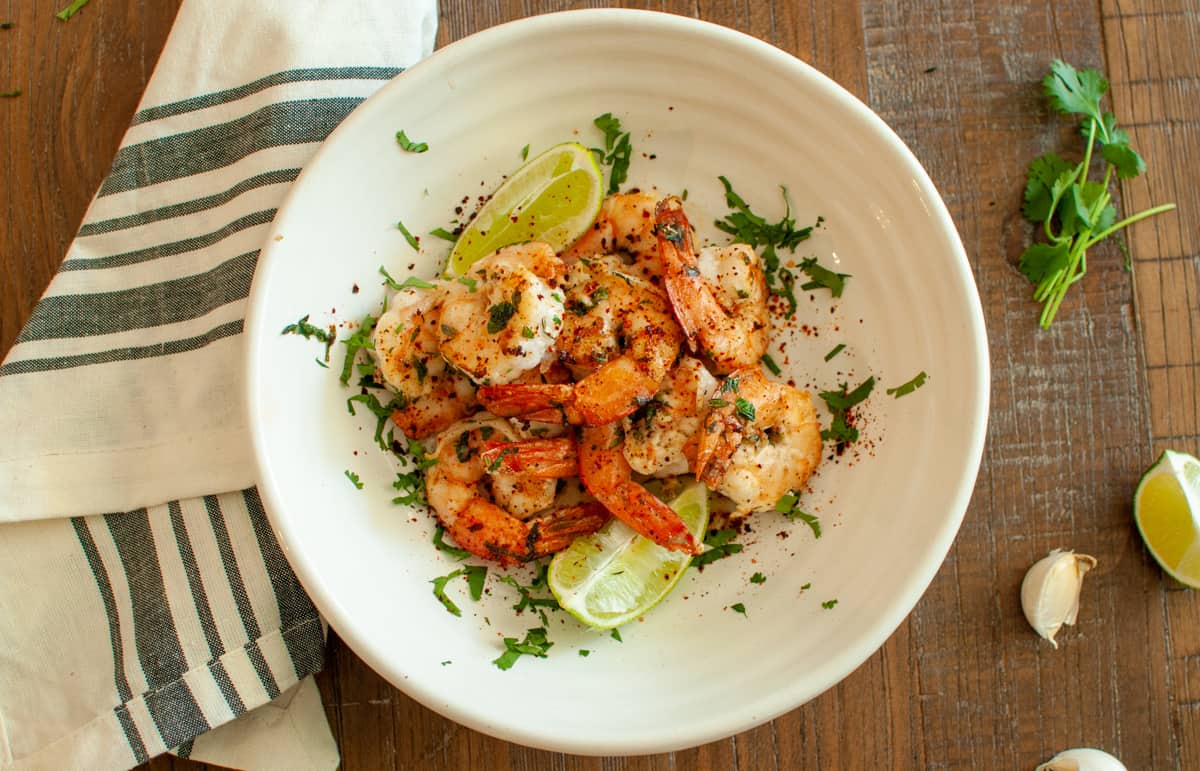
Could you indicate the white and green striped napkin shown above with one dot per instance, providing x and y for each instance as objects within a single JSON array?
[{"x": 144, "y": 600}]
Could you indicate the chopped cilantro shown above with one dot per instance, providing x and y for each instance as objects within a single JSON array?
[
  {"x": 71, "y": 10},
  {"x": 470, "y": 283},
  {"x": 308, "y": 332},
  {"x": 770, "y": 364},
  {"x": 527, "y": 598},
  {"x": 439, "y": 590},
  {"x": 476, "y": 574},
  {"x": 806, "y": 587},
  {"x": 444, "y": 234},
  {"x": 6, "y": 25},
  {"x": 359, "y": 341},
  {"x": 412, "y": 282},
  {"x": 524, "y": 152},
  {"x": 719, "y": 546},
  {"x": 744, "y": 409},
  {"x": 584, "y": 652},
  {"x": 501, "y": 313},
  {"x": 534, "y": 644},
  {"x": 822, "y": 277},
  {"x": 828, "y": 604},
  {"x": 738, "y": 607},
  {"x": 786, "y": 505},
  {"x": 835, "y": 351},
  {"x": 409, "y": 146},
  {"x": 717, "y": 404},
  {"x": 839, "y": 403},
  {"x": 730, "y": 384},
  {"x": 907, "y": 388},
  {"x": 10, "y": 94},
  {"x": 527, "y": 333},
  {"x": 354, "y": 479},
  {"x": 758, "y": 578},
  {"x": 412, "y": 240},
  {"x": 617, "y": 150},
  {"x": 381, "y": 412},
  {"x": 323, "y": 364},
  {"x": 439, "y": 534},
  {"x": 616, "y": 635}
]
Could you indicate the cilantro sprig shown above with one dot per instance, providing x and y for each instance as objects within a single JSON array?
[
  {"x": 617, "y": 150},
  {"x": 1075, "y": 213},
  {"x": 720, "y": 545},
  {"x": 786, "y": 505}
]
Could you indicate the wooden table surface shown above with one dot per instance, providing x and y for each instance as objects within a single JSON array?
[{"x": 1077, "y": 412}]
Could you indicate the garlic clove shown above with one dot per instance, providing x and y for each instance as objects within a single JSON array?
[
  {"x": 1050, "y": 591},
  {"x": 1082, "y": 759}
]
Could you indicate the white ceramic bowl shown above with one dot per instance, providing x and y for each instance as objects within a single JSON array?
[{"x": 704, "y": 101}]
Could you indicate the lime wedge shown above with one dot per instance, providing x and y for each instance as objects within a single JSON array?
[
  {"x": 1166, "y": 508},
  {"x": 615, "y": 575},
  {"x": 552, "y": 198}
]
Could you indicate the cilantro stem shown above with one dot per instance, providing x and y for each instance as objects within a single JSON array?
[{"x": 1103, "y": 234}]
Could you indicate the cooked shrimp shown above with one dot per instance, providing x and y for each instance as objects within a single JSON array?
[
  {"x": 607, "y": 476},
  {"x": 619, "y": 336},
  {"x": 719, "y": 295},
  {"x": 625, "y": 225},
  {"x": 540, "y": 458},
  {"x": 503, "y": 318},
  {"x": 457, "y": 488},
  {"x": 763, "y": 442},
  {"x": 660, "y": 438},
  {"x": 405, "y": 339}
]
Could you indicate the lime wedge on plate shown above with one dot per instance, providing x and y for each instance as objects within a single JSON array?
[
  {"x": 615, "y": 575},
  {"x": 552, "y": 198},
  {"x": 1166, "y": 508}
]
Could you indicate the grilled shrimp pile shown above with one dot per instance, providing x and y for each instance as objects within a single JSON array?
[{"x": 628, "y": 356}]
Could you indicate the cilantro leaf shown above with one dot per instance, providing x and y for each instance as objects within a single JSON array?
[
  {"x": 907, "y": 388},
  {"x": 439, "y": 534},
  {"x": 354, "y": 479},
  {"x": 1041, "y": 261},
  {"x": 1124, "y": 159},
  {"x": 786, "y": 505},
  {"x": 359, "y": 341},
  {"x": 720, "y": 545},
  {"x": 738, "y": 607},
  {"x": 1073, "y": 91},
  {"x": 412, "y": 240},
  {"x": 71, "y": 10},
  {"x": 770, "y": 364},
  {"x": 534, "y": 644},
  {"x": 840, "y": 403},
  {"x": 439, "y": 590},
  {"x": 408, "y": 145},
  {"x": 1039, "y": 180},
  {"x": 617, "y": 150},
  {"x": 822, "y": 277},
  {"x": 828, "y": 604},
  {"x": 758, "y": 578}
]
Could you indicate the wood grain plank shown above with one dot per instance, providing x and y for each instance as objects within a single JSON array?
[{"x": 1154, "y": 68}]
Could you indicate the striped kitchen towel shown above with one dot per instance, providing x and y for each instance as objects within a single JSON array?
[{"x": 144, "y": 600}]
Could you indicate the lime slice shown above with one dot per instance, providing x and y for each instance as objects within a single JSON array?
[
  {"x": 1166, "y": 508},
  {"x": 552, "y": 198},
  {"x": 615, "y": 575}
]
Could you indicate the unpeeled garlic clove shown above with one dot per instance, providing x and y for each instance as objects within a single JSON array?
[
  {"x": 1050, "y": 591},
  {"x": 1082, "y": 759}
]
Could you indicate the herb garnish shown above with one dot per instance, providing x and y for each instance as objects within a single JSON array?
[
  {"x": 749, "y": 228},
  {"x": 412, "y": 282},
  {"x": 444, "y": 234},
  {"x": 822, "y": 277},
  {"x": 770, "y": 364},
  {"x": 476, "y": 574},
  {"x": 359, "y": 341},
  {"x": 6, "y": 25},
  {"x": 839, "y": 403},
  {"x": 409, "y": 146},
  {"x": 527, "y": 598},
  {"x": 412, "y": 240},
  {"x": 828, "y": 604},
  {"x": 738, "y": 607},
  {"x": 471, "y": 284},
  {"x": 719, "y": 546},
  {"x": 616, "y": 635},
  {"x": 1075, "y": 214},
  {"x": 617, "y": 150},
  {"x": 308, "y": 332},
  {"x": 524, "y": 152},
  {"x": 71, "y": 10},
  {"x": 500, "y": 313},
  {"x": 907, "y": 388},
  {"x": 786, "y": 505},
  {"x": 758, "y": 578},
  {"x": 717, "y": 404},
  {"x": 381, "y": 412},
  {"x": 534, "y": 644},
  {"x": 411, "y": 484},
  {"x": 584, "y": 652},
  {"x": 354, "y": 479},
  {"x": 9, "y": 94},
  {"x": 835, "y": 351},
  {"x": 744, "y": 409},
  {"x": 439, "y": 534}
]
